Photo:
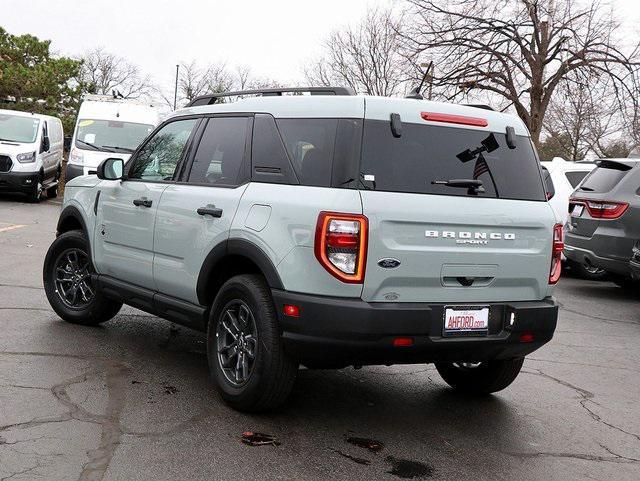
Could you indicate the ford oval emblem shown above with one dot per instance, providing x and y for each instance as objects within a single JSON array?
[{"x": 388, "y": 263}]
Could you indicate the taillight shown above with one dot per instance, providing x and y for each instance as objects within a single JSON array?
[
  {"x": 341, "y": 245},
  {"x": 602, "y": 209},
  {"x": 556, "y": 254}
]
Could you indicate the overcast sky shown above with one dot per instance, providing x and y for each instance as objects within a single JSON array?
[{"x": 273, "y": 37}]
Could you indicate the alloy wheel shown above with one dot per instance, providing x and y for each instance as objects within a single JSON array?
[
  {"x": 237, "y": 342},
  {"x": 73, "y": 283}
]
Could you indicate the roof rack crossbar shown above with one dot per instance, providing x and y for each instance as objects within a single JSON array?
[{"x": 212, "y": 98}]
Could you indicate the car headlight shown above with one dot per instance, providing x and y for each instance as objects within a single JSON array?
[
  {"x": 26, "y": 158},
  {"x": 75, "y": 157}
]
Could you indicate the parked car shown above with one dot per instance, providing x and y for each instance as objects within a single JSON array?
[
  {"x": 31, "y": 148},
  {"x": 563, "y": 178},
  {"x": 326, "y": 230},
  {"x": 604, "y": 219},
  {"x": 108, "y": 127}
]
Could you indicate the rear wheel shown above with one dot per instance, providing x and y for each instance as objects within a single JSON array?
[
  {"x": 480, "y": 378},
  {"x": 68, "y": 283},
  {"x": 587, "y": 271},
  {"x": 52, "y": 192},
  {"x": 246, "y": 357}
]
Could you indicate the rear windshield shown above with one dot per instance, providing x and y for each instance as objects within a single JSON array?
[
  {"x": 603, "y": 179},
  {"x": 425, "y": 154}
]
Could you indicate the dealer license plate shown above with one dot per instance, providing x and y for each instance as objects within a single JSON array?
[{"x": 466, "y": 320}]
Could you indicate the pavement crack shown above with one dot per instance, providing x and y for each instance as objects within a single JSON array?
[
  {"x": 587, "y": 397},
  {"x": 18, "y": 473},
  {"x": 614, "y": 458}
]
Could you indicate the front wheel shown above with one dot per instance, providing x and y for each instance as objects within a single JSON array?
[
  {"x": 67, "y": 276},
  {"x": 480, "y": 378},
  {"x": 246, "y": 357}
]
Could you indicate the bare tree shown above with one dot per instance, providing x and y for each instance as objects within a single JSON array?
[
  {"x": 103, "y": 72},
  {"x": 584, "y": 115},
  {"x": 519, "y": 50},
  {"x": 366, "y": 57}
]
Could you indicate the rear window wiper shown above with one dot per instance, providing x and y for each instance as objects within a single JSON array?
[{"x": 475, "y": 186}]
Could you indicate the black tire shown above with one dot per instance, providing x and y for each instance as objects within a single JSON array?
[
  {"x": 94, "y": 311},
  {"x": 52, "y": 192},
  {"x": 485, "y": 378},
  {"x": 272, "y": 372},
  {"x": 588, "y": 272},
  {"x": 35, "y": 194},
  {"x": 625, "y": 282}
]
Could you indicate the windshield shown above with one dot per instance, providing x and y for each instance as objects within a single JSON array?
[
  {"x": 110, "y": 135},
  {"x": 425, "y": 157},
  {"x": 15, "y": 128}
]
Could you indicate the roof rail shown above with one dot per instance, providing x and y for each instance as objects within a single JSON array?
[{"x": 212, "y": 98}]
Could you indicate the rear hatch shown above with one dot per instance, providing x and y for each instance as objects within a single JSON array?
[
  {"x": 441, "y": 243},
  {"x": 594, "y": 199}
]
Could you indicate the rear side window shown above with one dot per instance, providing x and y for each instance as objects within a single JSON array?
[
  {"x": 604, "y": 178},
  {"x": 221, "y": 152},
  {"x": 425, "y": 154},
  {"x": 576, "y": 177},
  {"x": 312, "y": 152},
  {"x": 548, "y": 183},
  {"x": 310, "y": 144}
]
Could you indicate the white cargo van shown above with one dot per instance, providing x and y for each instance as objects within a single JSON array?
[
  {"x": 31, "y": 148},
  {"x": 108, "y": 127}
]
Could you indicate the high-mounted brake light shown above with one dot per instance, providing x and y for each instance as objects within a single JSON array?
[
  {"x": 602, "y": 209},
  {"x": 556, "y": 254},
  {"x": 341, "y": 245},
  {"x": 454, "y": 119}
]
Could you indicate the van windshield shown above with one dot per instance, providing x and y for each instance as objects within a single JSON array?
[
  {"x": 429, "y": 159},
  {"x": 17, "y": 128},
  {"x": 110, "y": 135}
]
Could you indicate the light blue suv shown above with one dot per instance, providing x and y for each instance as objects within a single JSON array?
[{"x": 317, "y": 227}]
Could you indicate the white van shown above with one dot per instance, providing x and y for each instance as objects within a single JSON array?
[
  {"x": 31, "y": 148},
  {"x": 108, "y": 127}
]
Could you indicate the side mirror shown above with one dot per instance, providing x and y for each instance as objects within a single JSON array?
[
  {"x": 110, "y": 169},
  {"x": 46, "y": 144},
  {"x": 67, "y": 143}
]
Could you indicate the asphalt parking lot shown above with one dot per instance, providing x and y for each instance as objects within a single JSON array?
[{"x": 132, "y": 401}]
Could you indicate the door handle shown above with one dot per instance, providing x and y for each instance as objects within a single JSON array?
[
  {"x": 210, "y": 210},
  {"x": 142, "y": 202}
]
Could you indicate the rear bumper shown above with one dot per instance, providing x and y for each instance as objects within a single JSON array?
[
  {"x": 337, "y": 332},
  {"x": 585, "y": 256},
  {"x": 18, "y": 181}
]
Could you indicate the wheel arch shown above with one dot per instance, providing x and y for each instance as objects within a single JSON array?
[
  {"x": 71, "y": 219},
  {"x": 231, "y": 258}
]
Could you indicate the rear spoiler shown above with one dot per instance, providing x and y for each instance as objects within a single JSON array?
[{"x": 615, "y": 164}]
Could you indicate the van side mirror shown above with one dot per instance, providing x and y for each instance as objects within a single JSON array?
[
  {"x": 46, "y": 144},
  {"x": 67, "y": 143},
  {"x": 110, "y": 169}
]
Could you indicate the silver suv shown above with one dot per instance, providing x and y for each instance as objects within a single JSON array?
[{"x": 326, "y": 230}]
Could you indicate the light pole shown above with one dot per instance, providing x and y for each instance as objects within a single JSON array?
[
  {"x": 175, "y": 92},
  {"x": 429, "y": 77}
]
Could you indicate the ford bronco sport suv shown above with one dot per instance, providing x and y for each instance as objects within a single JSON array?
[{"x": 326, "y": 230}]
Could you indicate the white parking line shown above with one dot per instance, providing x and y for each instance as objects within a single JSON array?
[{"x": 12, "y": 227}]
